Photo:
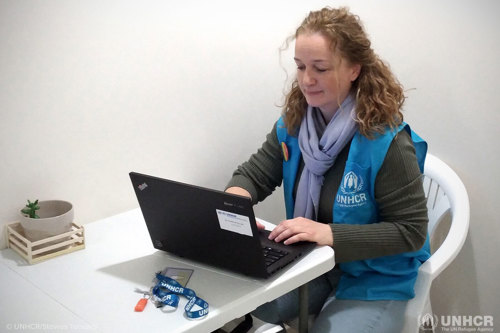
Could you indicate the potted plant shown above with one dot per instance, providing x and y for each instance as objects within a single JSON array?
[{"x": 42, "y": 219}]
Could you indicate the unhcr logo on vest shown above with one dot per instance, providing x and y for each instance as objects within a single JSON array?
[{"x": 350, "y": 191}]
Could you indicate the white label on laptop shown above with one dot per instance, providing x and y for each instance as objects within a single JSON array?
[{"x": 234, "y": 222}]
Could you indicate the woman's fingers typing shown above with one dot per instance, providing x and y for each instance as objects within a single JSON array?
[{"x": 302, "y": 229}]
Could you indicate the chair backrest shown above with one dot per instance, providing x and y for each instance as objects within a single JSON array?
[{"x": 445, "y": 193}]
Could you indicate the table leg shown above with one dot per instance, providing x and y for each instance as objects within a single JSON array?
[{"x": 303, "y": 308}]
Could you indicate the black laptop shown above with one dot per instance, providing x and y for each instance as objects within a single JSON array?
[{"x": 210, "y": 226}]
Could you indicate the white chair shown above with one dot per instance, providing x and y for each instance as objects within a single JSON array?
[{"x": 446, "y": 194}]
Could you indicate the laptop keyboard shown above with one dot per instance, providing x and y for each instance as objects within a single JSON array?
[{"x": 271, "y": 255}]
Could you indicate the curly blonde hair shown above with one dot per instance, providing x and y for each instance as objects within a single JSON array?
[{"x": 379, "y": 95}]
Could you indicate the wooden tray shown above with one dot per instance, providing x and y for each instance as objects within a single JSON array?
[{"x": 46, "y": 248}]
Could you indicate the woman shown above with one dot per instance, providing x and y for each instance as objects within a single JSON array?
[{"x": 351, "y": 171}]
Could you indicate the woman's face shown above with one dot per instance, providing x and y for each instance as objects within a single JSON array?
[{"x": 324, "y": 78}]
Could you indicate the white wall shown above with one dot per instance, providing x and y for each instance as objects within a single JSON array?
[{"x": 91, "y": 90}]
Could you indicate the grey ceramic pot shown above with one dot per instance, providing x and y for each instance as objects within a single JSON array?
[{"x": 56, "y": 217}]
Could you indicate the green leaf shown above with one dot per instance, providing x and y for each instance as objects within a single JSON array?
[{"x": 31, "y": 209}]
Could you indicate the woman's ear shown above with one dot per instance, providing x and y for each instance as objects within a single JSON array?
[{"x": 355, "y": 70}]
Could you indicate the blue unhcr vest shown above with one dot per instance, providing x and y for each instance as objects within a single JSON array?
[{"x": 382, "y": 278}]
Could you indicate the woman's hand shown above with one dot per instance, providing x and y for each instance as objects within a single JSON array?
[
  {"x": 241, "y": 191},
  {"x": 302, "y": 229}
]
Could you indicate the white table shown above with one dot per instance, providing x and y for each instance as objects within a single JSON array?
[{"x": 94, "y": 289}]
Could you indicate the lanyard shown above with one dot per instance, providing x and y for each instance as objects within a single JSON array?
[{"x": 167, "y": 292}]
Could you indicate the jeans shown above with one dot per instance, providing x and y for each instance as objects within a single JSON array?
[{"x": 336, "y": 315}]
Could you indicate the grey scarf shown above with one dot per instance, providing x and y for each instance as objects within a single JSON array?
[{"x": 319, "y": 154}]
